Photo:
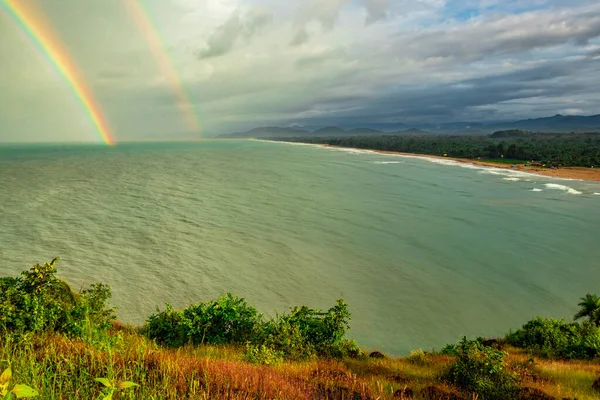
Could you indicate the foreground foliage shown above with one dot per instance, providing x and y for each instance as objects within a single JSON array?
[
  {"x": 482, "y": 370},
  {"x": 300, "y": 334},
  {"x": 39, "y": 302},
  {"x": 226, "y": 349},
  {"x": 558, "y": 339}
]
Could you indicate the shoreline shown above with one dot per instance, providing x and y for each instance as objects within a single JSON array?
[{"x": 573, "y": 173}]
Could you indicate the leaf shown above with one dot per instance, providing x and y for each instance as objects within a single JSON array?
[
  {"x": 126, "y": 384},
  {"x": 107, "y": 397},
  {"x": 104, "y": 381},
  {"x": 6, "y": 376},
  {"x": 24, "y": 391}
]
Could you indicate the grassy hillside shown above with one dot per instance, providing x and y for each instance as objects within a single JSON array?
[{"x": 66, "y": 345}]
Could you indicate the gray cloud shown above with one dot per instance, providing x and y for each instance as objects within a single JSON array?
[
  {"x": 325, "y": 12},
  {"x": 471, "y": 98},
  {"x": 506, "y": 34},
  {"x": 223, "y": 40},
  {"x": 319, "y": 58},
  {"x": 376, "y": 10}
]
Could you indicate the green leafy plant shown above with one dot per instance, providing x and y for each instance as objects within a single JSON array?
[
  {"x": 482, "y": 370},
  {"x": 306, "y": 332},
  {"x": 18, "y": 391},
  {"x": 261, "y": 354},
  {"x": 557, "y": 338},
  {"x": 229, "y": 319},
  {"x": 39, "y": 302},
  {"x": 110, "y": 388},
  {"x": 302, "y": 333},
  {"x": 418, "y": 357}
]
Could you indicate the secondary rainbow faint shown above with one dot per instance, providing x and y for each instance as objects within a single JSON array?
[
  {"x": 150, "y": 34},
  {"x": 42, "y": 36}
]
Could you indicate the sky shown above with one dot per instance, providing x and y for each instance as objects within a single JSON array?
[{"x": 350, "y": 63}]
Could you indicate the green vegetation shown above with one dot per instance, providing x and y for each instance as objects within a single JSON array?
[
  {"x": 552, "y": 149},
  {"x": 17, "y": 390},
  {"x": 39, "y": 302},
  {"x": 303, "y": 333},
  {"x": 482, "y": 370},
  {"x": 558, "y": 339},
  {"x": 590, "y": 308},
  {"x": 61, "y": 344}
]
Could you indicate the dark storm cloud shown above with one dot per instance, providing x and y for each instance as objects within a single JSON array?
[{"x": 442, "y": 102}]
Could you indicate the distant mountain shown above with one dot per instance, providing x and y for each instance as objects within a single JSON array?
[
  {"x": 330, "y": 131},
  {"x": 557, "y": 123},
  {"x": 364, "y": 132},
  {"x": 266, "y": 132},
  {"x": 275, "y": 132},
  {"x": 413, "y": 132}
]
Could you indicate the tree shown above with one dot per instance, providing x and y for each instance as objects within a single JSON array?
[{"x": 590, "y": 307}]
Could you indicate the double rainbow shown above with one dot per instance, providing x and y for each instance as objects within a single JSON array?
[{"x": 41, "y": 35}]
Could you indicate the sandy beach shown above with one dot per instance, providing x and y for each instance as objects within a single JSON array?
[{"x": 588, "y": 174}]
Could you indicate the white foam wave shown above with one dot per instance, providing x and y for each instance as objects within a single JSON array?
[
  {"x": 483, "y": 169},
  {"x": 564, "y": 188},
  {"x": 351, "y": 151},
  {"x": 493, "y": 172},
  {"x": 387, "y": 162},
  {"x": 282, "y": 142},
  {"x": 596, "y": 194},
  {"x": 512, "y": 179},
  {"x": 536, "y": 190}
]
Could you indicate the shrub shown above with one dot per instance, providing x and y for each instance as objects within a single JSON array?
[
  {"x": 557, "y": 338},
  {"x": 228, "y": 320},
  {"x": 305, "y": 332},
  {"x": 166, "y": 327},
  {"x": 418, "y": 357},
  {"x": 38, "y": 301},
  {"x": 261, "y": 354},
  {"x": 482, "y": 370},
  {"x": 302, "y": 333}
]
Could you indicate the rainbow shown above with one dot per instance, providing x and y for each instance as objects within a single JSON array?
[
  {"x": 145, "y": 26},
  {"x": 43, "y": 38}
]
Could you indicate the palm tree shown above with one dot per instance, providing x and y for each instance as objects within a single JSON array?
[{"x": 590, "y": 307}]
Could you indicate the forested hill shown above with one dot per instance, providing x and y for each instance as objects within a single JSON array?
[
  {"x": 557, "y": 123},
  {"x": 330, "y": 131},
  {"x": 572, "y": 149}
]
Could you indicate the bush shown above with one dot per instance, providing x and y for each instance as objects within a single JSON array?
[
  {"x": 166, "y": 327},
  {"x": 38, "y": 301},
  {"x": 418, "y": 357},
  {"x": 301, "y": 334},
  {"x": 482, "y": 370},
  {"x": 261, "y": 354},
  {"x": 228, "y": 320},
  {"x": 305, "y": 332},
  {"x": 558, "y": 339}
]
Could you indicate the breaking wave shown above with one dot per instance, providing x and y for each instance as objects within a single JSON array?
[{"x": 564, "y": 188}]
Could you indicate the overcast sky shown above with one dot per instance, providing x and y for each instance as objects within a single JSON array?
[{"x": 248, "y": 63}]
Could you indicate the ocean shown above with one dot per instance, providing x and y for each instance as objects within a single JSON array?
[{"x": 424, "y": 251}]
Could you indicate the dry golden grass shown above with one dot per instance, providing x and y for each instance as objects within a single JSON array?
[{"x": 62, "y": 368}]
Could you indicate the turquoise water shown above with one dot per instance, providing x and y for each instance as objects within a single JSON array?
[{"x": 424, "y": 252}]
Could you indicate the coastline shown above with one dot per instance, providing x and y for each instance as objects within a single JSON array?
[{"x": 574, "y": 173}]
